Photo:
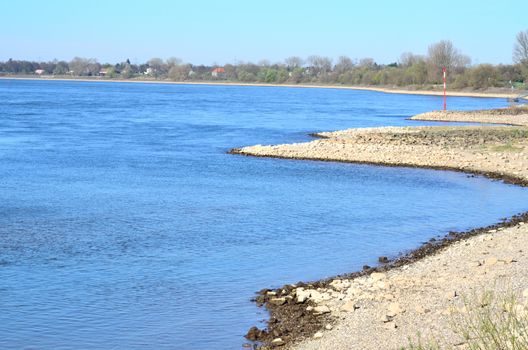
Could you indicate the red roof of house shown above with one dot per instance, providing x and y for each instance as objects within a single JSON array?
[{"x": 218, "y": 70}]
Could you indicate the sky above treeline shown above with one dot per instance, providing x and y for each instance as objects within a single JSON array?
[{"x": 231, "y": 31}]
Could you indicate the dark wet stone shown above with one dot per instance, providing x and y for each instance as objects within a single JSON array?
[
  {"x": 254, "y": 334},
  {"x": 383, "y": 259}
]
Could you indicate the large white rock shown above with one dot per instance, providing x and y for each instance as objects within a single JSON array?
[{"x": 323, "y": 309}]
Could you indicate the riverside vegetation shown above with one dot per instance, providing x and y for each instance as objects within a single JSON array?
[
  {"x": 421, "y": 72},
  {"x": 435, "y": 291}
]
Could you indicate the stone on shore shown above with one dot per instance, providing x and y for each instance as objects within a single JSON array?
[
  {"x": 349, "y": 306},
  {"x": 277, "y": 342},
  {"x": 320, "y": 310}
]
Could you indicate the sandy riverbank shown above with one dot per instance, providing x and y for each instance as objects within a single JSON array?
[
  {"x": 420, "y": 292},
  {"x": 502, "y": 93}
]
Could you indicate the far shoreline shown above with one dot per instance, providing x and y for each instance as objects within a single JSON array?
[{"x": 388, "y": 90}]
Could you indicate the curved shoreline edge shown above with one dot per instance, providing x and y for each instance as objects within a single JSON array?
[
  {"x": 508, "y": 179},
  {"x": 291, "y": 321},
  {"x": 388, "y": 90}
]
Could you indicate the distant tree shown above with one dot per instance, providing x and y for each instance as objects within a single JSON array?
[
  {"x": 158, "y": 66},
  {"x": 320, "y": 65},
  {"x": 417, "y": 73},
  {"x": 367, "y": 63},
  {"x": 520, "y": 50},
  {"x": 84, "y": 66},
  {"x": 61, "y": 68},
  {"x": 125, "y": 69},
  {"x": 520, "y": 53},
  {"x": 296, "y": 75},
  {"x": 509, "y": 73},
  {"x": 293, "y": 62},
  {"x": 180, "y": 72},
  {"x": 343, "y": 65},
  {"x": 483, "y": 76},
  {"x": 230, "y": 72},
  {"x": 407, "y": 59},
  {"x": 172, "y": 62},
  {"x": 270, "y": 75},
  {"x": 246, "y": 76},
  {"x": 110, "y": 72},
  {"x": 444, "y": 54}
]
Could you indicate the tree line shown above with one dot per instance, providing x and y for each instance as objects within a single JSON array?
[{"x": 410, "y": 70}]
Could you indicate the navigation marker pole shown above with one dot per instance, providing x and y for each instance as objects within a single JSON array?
[{"x": 445, "y": 86}]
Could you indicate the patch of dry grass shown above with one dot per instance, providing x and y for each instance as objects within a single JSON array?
[{"x": 488, "y": 322}]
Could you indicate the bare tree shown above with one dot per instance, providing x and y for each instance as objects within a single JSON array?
[
  {"x": 84, "y": 66},
  {"x": 367, "y": 63},
  {"x": 444, "y": 54},
  {"x": 320, "y": 65},
  {"x": 180, "y": 72},
  {"x": 520, "y": 50},
  {"x": 158, "y": 66},
  {"x": 344, "y": 63},
  {"x": 408, "y": 59},
  {"x": 173, "y": 62},
  {"x": 293, "y": 62}
]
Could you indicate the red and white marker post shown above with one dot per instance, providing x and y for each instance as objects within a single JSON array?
[{"x": 445, "y": 88}]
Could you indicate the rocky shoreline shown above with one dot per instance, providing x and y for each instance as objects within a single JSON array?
[
  {"x": 507, "y": 116},
  {"x": 300, "y": 311},
  {"x": 376, "y": 307}
]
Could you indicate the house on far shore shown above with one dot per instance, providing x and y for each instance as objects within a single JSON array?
[
  {"x": 103, "y": 72},
  {"x": 218, "y": 72},
  {"x": 149, "y": 71},
  {"x": 39, "y": 71}
]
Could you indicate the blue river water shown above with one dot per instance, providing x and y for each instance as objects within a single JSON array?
[{"x": 125, "y": 225}]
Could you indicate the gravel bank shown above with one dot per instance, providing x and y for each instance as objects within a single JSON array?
[
  {"x": 511, "y": 116},
  {"x": 381, "y": 308},
  {"x": 498, "y": 152}
]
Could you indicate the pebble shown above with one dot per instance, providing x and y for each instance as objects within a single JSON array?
[
  {"x": 451, "y": 295},
  {"x": 394, "y": 309},
  {"x": 318, "y": 335},
  {"x": 420, "y": 309},
  {"x": 278, "y": 301},
  {"x": 491, "y": 261},
  {"x": 390, "y": 325},
  {"x": 320, "y": 310},
  {"x": 382, "y": 285},
  {"x": 277, "y": 342},
  {"x": 349, "y": 306}
]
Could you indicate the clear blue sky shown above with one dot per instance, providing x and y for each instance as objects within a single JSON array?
[{"x": 205, "y": 32}]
